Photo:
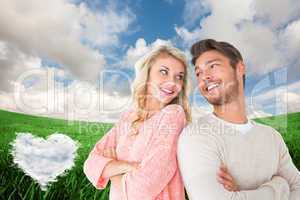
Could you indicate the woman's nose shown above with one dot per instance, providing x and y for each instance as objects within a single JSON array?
[
  {"x": 170, "y": 83},
  {"x": 171, "y": 79}
]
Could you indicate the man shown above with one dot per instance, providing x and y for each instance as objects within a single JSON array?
[{"x": 255, "y": 155}]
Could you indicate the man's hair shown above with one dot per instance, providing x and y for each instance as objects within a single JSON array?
[{"x": 226, "y": 49}]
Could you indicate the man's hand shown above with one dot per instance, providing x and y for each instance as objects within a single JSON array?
[{"x": 225, "y": 178}]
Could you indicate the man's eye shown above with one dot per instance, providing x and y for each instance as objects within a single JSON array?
[
  {"x": 214, "y": 65},
  {"x": 163, "y": 72}
]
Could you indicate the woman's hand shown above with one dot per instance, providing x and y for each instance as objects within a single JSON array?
[
  {"x": 116, "y": 182},
  {"x": 225, "y": 178},
  {"x": 122, "y": 165},
  {"x": 116, "y": 167},
  {"x": 129, "y": 166},
  {"x": 110, "y": 153}
]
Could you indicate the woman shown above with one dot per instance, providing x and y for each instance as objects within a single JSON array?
[{"x": 138, "y": 154}]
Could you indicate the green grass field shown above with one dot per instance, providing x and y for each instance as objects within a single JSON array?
[{"x": 14, "y": 184}]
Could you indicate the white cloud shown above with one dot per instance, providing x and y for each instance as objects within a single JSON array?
[
  {"x": 103, "y": 28},
  {"x": 77, "y": 101},
  {"x": 3, "y": 51},
  {"x": 140, "y": 49},
  {"x": 254, "y": 27},
  {"x": 292, "y": 100},
  {"x": 188, "y": 37},
  {"x": 257, "y": 114},
  {"x": 7, "y": 102},
  {"x": 63, "y": 32},
  {"x": 136, "y": 52},
  {"x": 278, "y": 14},
  {"x": 294, "y": 87},
  {"x": 193, "y": 10},
  {"x": 281, "y": 99},
  {"x": 13, "y": 63},
  {"x": 292, "y": 97},
  {"x": 67, "y": 34},
  {"x": 44, "y": 160},
  {"x": 291, "y": 38}
]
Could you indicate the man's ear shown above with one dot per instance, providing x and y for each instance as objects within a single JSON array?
[{"x": 240, "y": 69}]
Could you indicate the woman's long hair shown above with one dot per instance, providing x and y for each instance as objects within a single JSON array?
[{"x": 139, "y": 86}]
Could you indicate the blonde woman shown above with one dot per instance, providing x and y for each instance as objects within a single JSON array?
[{"x": 138, "y": 154}]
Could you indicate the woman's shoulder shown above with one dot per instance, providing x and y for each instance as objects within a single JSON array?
[
  {"x": 174, "y": 112},
  {"x": 127, "y": 113},
  {"x": 173, "y": 108}
]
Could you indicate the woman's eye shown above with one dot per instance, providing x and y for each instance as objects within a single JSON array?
[
  {"x": 198, "y": 73},
  {"x": 163, "y": 72},
  {"x": 179, "y": 77}
]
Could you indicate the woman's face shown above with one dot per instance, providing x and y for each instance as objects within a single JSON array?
[{"x": 166, "y": 79}]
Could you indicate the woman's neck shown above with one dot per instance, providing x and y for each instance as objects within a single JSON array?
[{"x": 153, "y": 105}]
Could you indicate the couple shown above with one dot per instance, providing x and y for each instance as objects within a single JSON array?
[{"x": 155, "y": 149}]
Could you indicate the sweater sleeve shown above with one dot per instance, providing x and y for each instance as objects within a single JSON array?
[
  {"x": 159, "y": 164},
  {"x": 95, "y": 163},
  {"x": 199, "y": 160},
  {"x": 288, "y": 170}
]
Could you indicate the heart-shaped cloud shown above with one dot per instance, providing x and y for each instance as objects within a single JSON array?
[{"x": 44, "y": 160}]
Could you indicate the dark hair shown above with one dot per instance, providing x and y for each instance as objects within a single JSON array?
[{"x": 226, "y": 49}]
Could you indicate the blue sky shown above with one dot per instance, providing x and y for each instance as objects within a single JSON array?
[
  {"x": 156, "y": 19},
  {"x": 92, "y": 46}
]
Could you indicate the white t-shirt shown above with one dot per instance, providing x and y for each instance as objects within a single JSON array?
[{"x": 242, "y": 128}]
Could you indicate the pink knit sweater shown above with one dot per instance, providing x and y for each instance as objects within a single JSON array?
[{"x": 154, "y": 147}]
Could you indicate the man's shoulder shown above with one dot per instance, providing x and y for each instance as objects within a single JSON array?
[
  {"x": 199, "y": 131},
  {"x": 263, "y": 127},
  {"x": 199, "y": 136},
  {"x": 197, "y": 125},
  {"x": 266, "y": 130}
]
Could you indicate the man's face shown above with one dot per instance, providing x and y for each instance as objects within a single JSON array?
[{"x": 217, "y": 79}]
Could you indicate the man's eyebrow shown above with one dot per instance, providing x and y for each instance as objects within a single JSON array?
[
  {"x": 213, "y": 60},
  {"x": 207, "y": 62}
]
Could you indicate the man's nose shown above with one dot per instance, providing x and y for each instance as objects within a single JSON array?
[{"x": 206, "y": 75}]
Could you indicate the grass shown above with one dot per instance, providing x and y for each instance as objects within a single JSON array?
[
  {"x": 14, "y": 184},
  {"x": 289, "y": 127}
]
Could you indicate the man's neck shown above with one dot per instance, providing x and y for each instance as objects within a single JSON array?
[{"x": 233, "y": 112}]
